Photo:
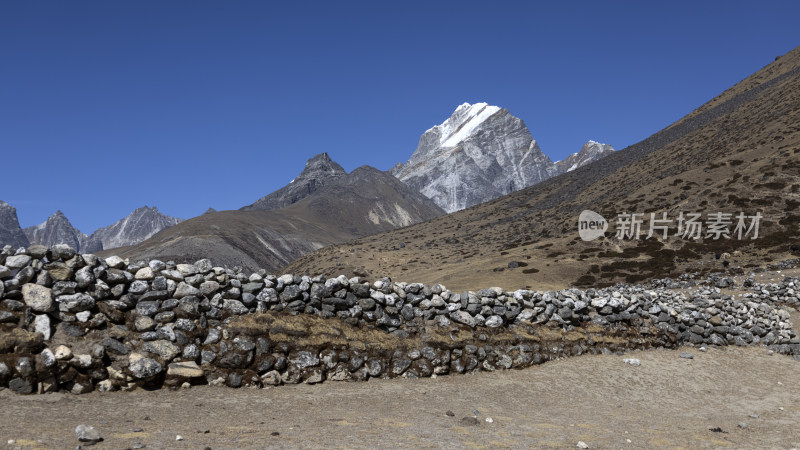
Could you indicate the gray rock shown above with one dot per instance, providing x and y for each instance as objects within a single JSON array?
[
  {"x": 305, "y": 359},
  {"x": 686, "y": 355},
  {"x": 207, "y": 357},
  {"x": 190, "y": 352},
  {"x": 172, "y": 274},
  {"x": 400, "y": 365},
  {"x": 62, "y": 251},
  {"x": 145, "y": 274},
  {"x": 234, "y": 307},
  {"x": 144, "y": 323},
  {"x": 147, "y": 308},
  {"x": 17, "y": 261},
  {"x": 494, "y": 321},
  {"x": 21, "y": 386},
  {"x": 115, "y": 262},
  {"x": 632, "y": 361},
  {"x": 374, "y": 367},
  {"x": 138, "y": 287},
  {"x": 115, "y": 346},
  {"x": 87, "y": 434},
  {"x": 163, "y": 348},
  {"x": 142, "y": 367},
  {"x": 463, "y": 317},
  {"x": 184, "y": 290},
  {"x": 75, "y": 303},
  {"x": 84, "y": 277},
  {"x": 214, "y": 336},
  {"x": 38, "y": 298},
  {"x": 209, "y": 288}
]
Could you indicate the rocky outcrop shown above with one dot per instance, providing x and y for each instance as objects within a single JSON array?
[
  {"x": 10, "y": 231},
  {"x": 57, "y": 229},
  {"x": 318, "y": 172},
  {"x": 107, "y": 324},
  {"x": 141, "y": 224}
]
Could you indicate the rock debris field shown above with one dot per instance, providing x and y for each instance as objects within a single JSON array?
[{"x": 79, "y": 324}]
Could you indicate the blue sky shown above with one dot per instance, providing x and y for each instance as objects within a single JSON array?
[{"x": 108, "y": 106}]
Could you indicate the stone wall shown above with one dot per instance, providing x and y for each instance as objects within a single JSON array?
[{"x": 79, "y": 323}]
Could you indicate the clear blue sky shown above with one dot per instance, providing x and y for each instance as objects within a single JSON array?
[{"x": 106, "y": 106}]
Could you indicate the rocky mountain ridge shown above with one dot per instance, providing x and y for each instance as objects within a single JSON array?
[
  {"x": 319, "y": 171},
  {"x": 322, "y": 206},
  {"x": 138, "y": 226},
  {"x": 10, "y": 231},
  {"x": 479, "y": 153},
  {"x": 57, "y": 229}
]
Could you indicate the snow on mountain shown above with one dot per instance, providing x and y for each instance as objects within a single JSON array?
[{"x": 479, "y": 153}]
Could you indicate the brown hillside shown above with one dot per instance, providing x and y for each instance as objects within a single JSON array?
[{"x": 740, "y": 152}]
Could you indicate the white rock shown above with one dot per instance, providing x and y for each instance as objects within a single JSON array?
[{"x": 41, "y": 324}]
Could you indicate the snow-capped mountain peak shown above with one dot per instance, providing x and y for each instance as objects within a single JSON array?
[{"x": 463, "y": 122}]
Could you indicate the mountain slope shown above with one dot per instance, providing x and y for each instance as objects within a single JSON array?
[
  {"x": 139, "y": 225},
  {"x": 57, "y": 229},
  {"x": 738, "y": 153},
  {"x": 363, "y": 202},
  {"x": 10, "y": 231}
]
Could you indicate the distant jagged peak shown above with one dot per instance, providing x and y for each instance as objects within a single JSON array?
[
  {"x": 320, "y": 170},
  {"x": 321, "y": 164},
  {"x": 590, "y": 152}
]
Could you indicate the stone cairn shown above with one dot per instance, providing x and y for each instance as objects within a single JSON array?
[{"x": 82, "y": 323}]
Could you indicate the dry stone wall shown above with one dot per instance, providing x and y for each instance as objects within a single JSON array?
[{"x": 82, "y": 323}]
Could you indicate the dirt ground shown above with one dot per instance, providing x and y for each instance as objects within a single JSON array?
[{"x": 668, "y": 401}]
